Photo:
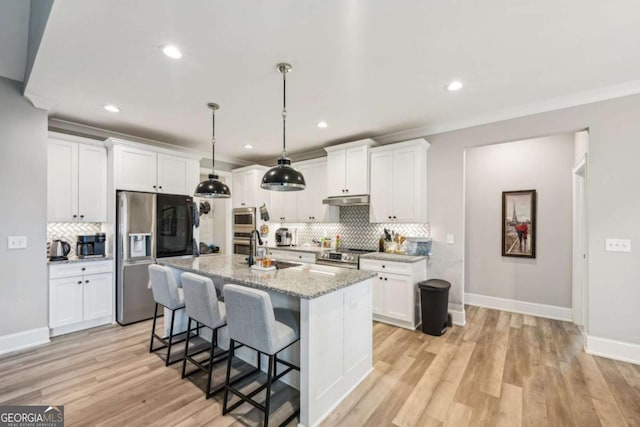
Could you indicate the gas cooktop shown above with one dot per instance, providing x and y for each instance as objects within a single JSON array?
[{"x": 343, "y": 257}]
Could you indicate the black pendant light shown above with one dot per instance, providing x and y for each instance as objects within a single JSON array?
[
  {"x": 283, "y": 177},
  {"x": 213, "y": 187}
]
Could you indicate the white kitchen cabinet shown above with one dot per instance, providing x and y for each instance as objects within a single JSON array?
[
  {"x": 348, "y": 168},
  {"x": 293, "y": 256},
  {"x": 310, "y": 206},
  {"x": 76, "y": 181},
  {"x": 399, "y": 182},
  {"x": 80, "y": 295},
  {"x": 141, "y": 169},
  {"x": 283, "y": 206},
  {"x": 395, "y": 297},
  {"x": 246, "y": 190}
]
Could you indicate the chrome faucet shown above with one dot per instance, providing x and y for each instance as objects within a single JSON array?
[{"x": 251, "y": 245}]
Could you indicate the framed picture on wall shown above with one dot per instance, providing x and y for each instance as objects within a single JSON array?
[{"x": 519, "y": 223}]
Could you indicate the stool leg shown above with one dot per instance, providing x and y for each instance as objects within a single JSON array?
[
  {"x": 173, "y": 316},
  {"x": 268, "y": 398},
  {"x": 186, "y": 350},
  {"x": 153, "y": 327},
  {"x": 213, "y": 347},
  {"x": 232, "y": 345}
]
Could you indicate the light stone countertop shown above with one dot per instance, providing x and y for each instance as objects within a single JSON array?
[
  {"x": 72, "y": 260},
  {"x": 312, "y": 249},
  {"x": 382, "y": 256},
  {"x": 306, "y": 281}
]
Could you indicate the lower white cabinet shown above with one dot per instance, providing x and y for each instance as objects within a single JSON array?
[
  {"x": 80, "y": 295},
  {"x": 395, "y": 295},
  {"x": 293, "y": 256}
]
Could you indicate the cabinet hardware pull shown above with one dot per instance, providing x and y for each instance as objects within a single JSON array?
[
  {"x": 160, "y": 187},
  {"x": 79, "y": 282},
  {"x": 154, "y": 186},
  {"x": 75, "y": 216},
  {"x": 389, "y": 216},
  {"x": 394, "y": 217},
  {"x": 384, "y": 266},
  {"x": 81, "y": 216},
  {"x": 380, "y": 277},
  {"x": 86, "y": 281},
  {"x": 385, "y": 278},
  {"x": 84, "y": 268}
]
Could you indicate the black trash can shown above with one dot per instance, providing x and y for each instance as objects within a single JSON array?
[{"x": 434, "y": 299}]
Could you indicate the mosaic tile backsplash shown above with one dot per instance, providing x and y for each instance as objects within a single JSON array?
[
  {"x": 68, "y": 231},
  {"x": 354, "y": 229}
]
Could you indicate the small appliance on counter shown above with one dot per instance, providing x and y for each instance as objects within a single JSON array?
[
  {"x": 58, "y": 250},
  {"x": 91, "y": 245},
  {"x": 283, "y": 237}
]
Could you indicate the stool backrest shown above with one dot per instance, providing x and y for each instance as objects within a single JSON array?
[
  {"x": 250, "y": 317},
  {"x": 164, "y": 287},
  {"x": 201, "y": 301}
]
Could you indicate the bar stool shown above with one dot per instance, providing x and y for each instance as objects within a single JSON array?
[
  {"x": 253, "y": 322},
  {"x": 167, "y": 294},
  {"x": 203, "y": 307}
]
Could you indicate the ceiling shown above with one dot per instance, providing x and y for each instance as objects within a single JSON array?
[
  {"x": 14, "y": 31},
  {"x": 367, "y": 67}
]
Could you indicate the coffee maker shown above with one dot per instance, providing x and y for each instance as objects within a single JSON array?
[
  {"x": 283, "y": 237},
  {"x": 91, "y": 245}
]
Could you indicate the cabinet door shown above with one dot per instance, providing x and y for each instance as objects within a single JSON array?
[
  {"x": 357, "y": 171},
  {"x": 97, "y": 296},
  {"x": 306, "y": 198},
  {"x": 290, "y": 206},
  {"x": 135, "y": 169},
  {"x": 175, "y": 175},
  {"x": 65, "y": 301},
  {"x": 92, "y": 183},
  {"x": 322, "y": 212},
  {"x": 377, "y": 295},
  {"x": 381, "y": 187},
  {"x": 406, "y": 183},
  {"x": 336, "y": 176},
  {"x": 62, "y": 181},
  {"x": 237, "y": 192},
  {"x": 276, "y": 204},
  {"x": 398, "y": 297}
]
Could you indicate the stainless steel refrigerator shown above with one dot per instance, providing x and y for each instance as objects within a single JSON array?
[{"x": 149, "y": 226}]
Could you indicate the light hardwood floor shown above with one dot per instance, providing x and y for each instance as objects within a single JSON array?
[{"x": 501, "y": 369}]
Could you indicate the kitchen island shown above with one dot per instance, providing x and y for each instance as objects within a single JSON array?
[{"x": 335, "y": 348}]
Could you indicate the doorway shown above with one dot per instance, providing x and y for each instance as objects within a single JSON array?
[{"x": 580, "y": 241}]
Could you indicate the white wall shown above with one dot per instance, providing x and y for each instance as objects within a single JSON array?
[
  {"x": 543, "y": 164},
  {"x": 23, "y": 202},
  {"x": 613, "y": 204}
]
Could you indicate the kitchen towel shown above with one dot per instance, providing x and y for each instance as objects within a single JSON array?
[{"x": 196, "y": 215}]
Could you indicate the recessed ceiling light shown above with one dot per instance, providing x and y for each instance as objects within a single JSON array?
[
  {"x": 454, "y": 85},
  {"x": 322, "y": 124},
  {"x": 172, "y": 52},
  {"x": 112, "y": 108},
  {"x": 248, "y": 147}
]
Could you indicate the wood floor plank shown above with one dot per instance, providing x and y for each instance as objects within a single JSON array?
[
  {"x": 460, "y": 416},
  {"x": 609, "y": 413},
  {"x": 625, "y": 396},
  {"x": 510, "y": 407}
]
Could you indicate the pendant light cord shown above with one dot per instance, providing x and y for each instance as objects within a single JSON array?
[
  {"x": 213, "y": 141},
  {"x": 284, "y": 113}
]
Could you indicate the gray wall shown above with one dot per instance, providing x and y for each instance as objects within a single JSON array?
[
  {"x": 613, "y": 203},
  {"x": 23, "y": 201},
  {"x": 543, "y": 164}
]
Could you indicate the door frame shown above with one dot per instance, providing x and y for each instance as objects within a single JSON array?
[{"x": 580, "y": 250}]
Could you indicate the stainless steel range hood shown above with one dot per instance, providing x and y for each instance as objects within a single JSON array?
[{"x": 360, "y": 200}]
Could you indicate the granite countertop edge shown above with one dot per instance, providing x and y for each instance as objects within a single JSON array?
[
  {"x": 382, "y": 256},
  {"x": 75, "y": 260}
]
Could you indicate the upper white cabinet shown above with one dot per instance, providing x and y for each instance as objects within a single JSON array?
[
  {"x": 283, "y": 205},
  {"x": 348, "y": 168},
  {"x": 399, "y": 182},
  {"x": 245, "y": 188},
  {"x": 310, "y": 206},
  {"x": 140, "y": 169},
  {"x": 76, "y": 180}
]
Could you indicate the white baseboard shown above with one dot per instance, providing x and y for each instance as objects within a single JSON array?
[
  {"x": 618, "y": 350},
  {"x": 458, "y": 317},
  {"x": 531, "y": 308},
  {"x": 24, "y": 339}
]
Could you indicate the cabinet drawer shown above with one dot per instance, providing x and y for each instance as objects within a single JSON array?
[
  {"x": 79, "y": 269},
  {"x": 307, "y": 257},
  {"x": 386, "y": 266}
]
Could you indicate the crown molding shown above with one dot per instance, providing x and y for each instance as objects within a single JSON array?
[{"x": 553, "y": 104}]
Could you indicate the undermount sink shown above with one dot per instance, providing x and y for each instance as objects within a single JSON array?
[{"x": 281, "y": 265}]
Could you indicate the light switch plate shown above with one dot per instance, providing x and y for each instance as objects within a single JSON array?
[
  {"x": 16, "y": 242},
  {"x": 450, "y": 239},
  {"x": 617, "y": 245}
]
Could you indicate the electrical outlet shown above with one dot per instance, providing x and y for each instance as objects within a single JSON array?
[
  {"x": 16, "y": 242},
  {"x": 450, "y": 239},
  {"x": 617, "y": 245}
]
